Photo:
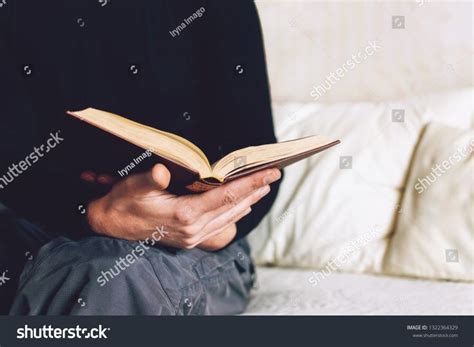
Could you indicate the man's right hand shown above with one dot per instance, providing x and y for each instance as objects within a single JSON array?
[{"x": 138, "y": 204}]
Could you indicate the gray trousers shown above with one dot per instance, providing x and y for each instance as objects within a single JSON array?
[{"x": 105, "y": 276}]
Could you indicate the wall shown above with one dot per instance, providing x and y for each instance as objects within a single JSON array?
[{"x": 307, "y": 40}]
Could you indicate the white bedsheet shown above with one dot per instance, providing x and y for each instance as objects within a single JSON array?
[{"x": 283, "y": 291}]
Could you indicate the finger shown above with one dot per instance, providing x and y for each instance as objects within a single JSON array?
[
  {"x": 218, "y": 220},
  {"x": 88, "y": 176},
  {"x": 202, "y": 208},
  {"x": 218, "y": 231},
  {"x": 230, "y": 194},
  {"x": 106, "y": 179},
  {"x": 158, "y": 178}
]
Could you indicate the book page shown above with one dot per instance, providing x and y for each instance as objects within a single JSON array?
[
  {"x": 161, "y": 143},
  {"x": 246, "y": 158}
]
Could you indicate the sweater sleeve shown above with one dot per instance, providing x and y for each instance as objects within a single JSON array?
[
  {"x": 240, "y": 86},
  {"x": 35, "y": 182}
]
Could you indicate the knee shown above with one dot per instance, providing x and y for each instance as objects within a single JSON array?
[
  {"x": 101, "y": 259},
  {"x": 93, "y": 276}
]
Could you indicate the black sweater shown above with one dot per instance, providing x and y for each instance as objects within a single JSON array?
[{"x": 205, "y": 80}]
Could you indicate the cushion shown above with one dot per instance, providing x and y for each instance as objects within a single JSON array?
[
  {"x": 341, "y": 205},
  {"x": 287, "y": 291},
  {"x": 434, "y": 236}
]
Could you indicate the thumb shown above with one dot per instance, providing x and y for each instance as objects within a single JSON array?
[{"x": 158, "y": 178}]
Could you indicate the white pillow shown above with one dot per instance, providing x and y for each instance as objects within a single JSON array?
[
  {"x": 322, "y": 211},
  {"x": 434, "y": 237}
]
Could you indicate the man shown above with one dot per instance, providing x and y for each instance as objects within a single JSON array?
[{"x": 97, "y": 243}]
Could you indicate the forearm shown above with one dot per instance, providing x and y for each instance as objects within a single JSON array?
[{"x": 55, "y": 203}]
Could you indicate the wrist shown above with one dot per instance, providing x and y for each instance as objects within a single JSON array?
[{"x": 96, "y": 214}]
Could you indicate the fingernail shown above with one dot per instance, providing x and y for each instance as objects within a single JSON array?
[
  {"x": 275, "y": 175},
  {"x": 104, "y": 179},
  {"x": 88, "y": 176}
]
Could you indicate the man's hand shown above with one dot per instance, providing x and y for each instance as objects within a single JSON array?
[{"x": 138, "y": 204}]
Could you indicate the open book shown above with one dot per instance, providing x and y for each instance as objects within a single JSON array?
[{"x": 189, "y": 166}]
